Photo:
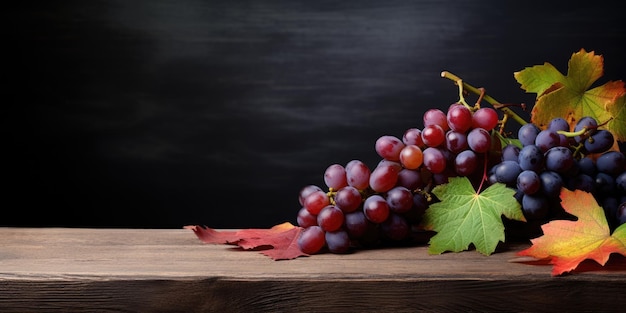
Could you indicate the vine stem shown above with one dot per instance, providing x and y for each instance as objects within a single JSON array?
[{"x": 481, "y": 92}]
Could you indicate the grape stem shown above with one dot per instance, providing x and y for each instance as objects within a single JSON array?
[{"x": 482, "y": 96}]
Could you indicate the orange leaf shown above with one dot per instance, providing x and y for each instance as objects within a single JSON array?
[
  {"x": 279, "y": 242},
  {"x": 567, "y": 243}
]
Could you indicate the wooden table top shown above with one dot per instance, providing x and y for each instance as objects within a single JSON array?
[{"x": 153, "y": 270}]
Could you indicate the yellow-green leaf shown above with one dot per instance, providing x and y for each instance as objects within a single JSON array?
[{"x": 570, "y": 97}]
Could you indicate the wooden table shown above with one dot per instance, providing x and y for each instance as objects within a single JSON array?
[{"x": 170, "y": 270}]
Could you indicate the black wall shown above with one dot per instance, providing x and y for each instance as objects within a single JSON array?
[{"x": 162, "y": 114}]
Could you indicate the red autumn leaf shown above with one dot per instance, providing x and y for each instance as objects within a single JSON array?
[
  {"x": 565, "y": 243},
  {"x": 279, "y": 242}
]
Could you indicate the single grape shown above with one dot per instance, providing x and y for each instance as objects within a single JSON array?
[
  {"x": 547, "y": 139},
  {"x": 559, "y": 159},
  {"x": 411, "y": 157},
  {"x": 413, "y": 136},
  {"x": 433, "y": 135},
  {"x": 435, "y": 117},
  {"x": 420, "y": 202},
  {"x": 330, "y": 218},
  {"x": 535, "y": 207},
  {"x": 507, "y": 172},
  {"x": 356, "y": 224},
  {"x": 348, "y": 199},
  {"x": 306, "y": 191},
  {"x": 531, "y": 158},
  {"x": 316, "y": 201},
  {"x": 383, "y": 177},
  {"x": 479, "y": 140},
  {"x": 485, "y": 118},
  {"x": 338, "y": 241},
  {"x": 411, "y": 179},
  {"x": 358, "y": 174},
  {"x": 587, "y": 166},
  {"x": 586, "y": 122},
  {"x": 605, "y": 184},
  {"x": 510, "y": 152},
  {"x": 601, "y": 141},
  {"x": 434, "y": 160},
  {"x": 527, "y": 134},
  {"x": 399, "y": 199},
  {"x": 528, "y": 182},
  {"x": 312, "y": 239},
  {"x": 551, "y": 184},
  {"x": 456, "y": 141},
  {"x": 335, "y": 176},
  {"x": 395, "y": 227},
  {"x": 305, "y": 218},
  {"x": 465, "y": 163},
  {"x": 376, "y": 209},
  {"x": 611, "y": 162},
  {"x": 459, "y": 118},
  {"x": 558, "y": 123},
  {"x": 388, "y": 147},
  {"x": 396, "y": 165}
]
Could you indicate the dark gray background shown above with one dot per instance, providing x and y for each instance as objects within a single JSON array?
[{"x": 162, "y": 114}]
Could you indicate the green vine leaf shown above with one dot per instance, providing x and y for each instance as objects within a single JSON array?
[
  {"x": 465, "y": 217},
  {"x": 570, "y": 97}
]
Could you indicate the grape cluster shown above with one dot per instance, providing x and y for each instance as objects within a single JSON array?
[
  {"x": 366, "y": 206},
  {"x": 556, "y": 157}
]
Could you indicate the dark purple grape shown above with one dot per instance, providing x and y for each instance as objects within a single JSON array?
[
  {"x": 338, "y": 241},
  {"x": 527, "y": 134},
  {"x": 395, "y": 227},
  {"x": 559, "y": 159},
  {"x": 535, "y": 207},
  {"x": 531, "y": 158},
  {"x": 465, "y": 163},
  {"x": 587, "y": 166},
  {"x": 587, "y": 122},
  {"x": 558, "y": 123},
  {"x": 605, "y": 184},
  {"x": 528, "y": 182},
  {"x": 510, "y": 152},
  {"x": 507, "y": 172},
  {"x": 411, "y": 179},
  {"x": 611, "y": 162},
  {"x": 601, "y": 141},
  {"x": 356, "y": 224},
  {"x": 547, "y": 139},
  {"x": 479, "y": 140},
  {"x": 551, "y": 184},
  {"x": 400, "y": 199}
]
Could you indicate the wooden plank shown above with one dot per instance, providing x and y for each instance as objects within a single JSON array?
[{"x": 156, "y": 270}]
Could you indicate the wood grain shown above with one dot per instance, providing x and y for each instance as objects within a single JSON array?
[{"x": 170, "y": 270}]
